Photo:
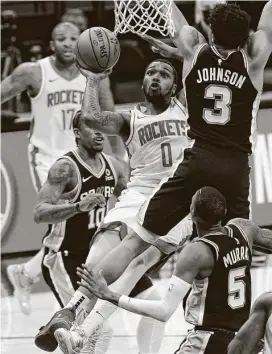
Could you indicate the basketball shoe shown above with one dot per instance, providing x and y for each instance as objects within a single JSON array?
[
  {"x": 45, "y": 339},
  {"x": 22, "y": 285}
]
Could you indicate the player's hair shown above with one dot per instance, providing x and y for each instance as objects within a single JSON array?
[
  {"x": 229, "y": 25},
  {"x": 76, "y": 122},
  {"x": 210, "y": 205},
  {"x": 160, "y": 60}
]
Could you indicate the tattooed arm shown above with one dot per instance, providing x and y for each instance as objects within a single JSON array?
[
  {"x": 27, "y": 76},
  {"x": 108, "y": 122},
  {"x": 106, "y": 103},
  {"x": 48, "y": 208},
  {"x": 260, "y": 238}
]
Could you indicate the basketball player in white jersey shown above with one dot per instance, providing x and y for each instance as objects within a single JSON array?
[
  {"x": 257, "y": 327},
  {"x": 56, "y": 89},
  {"x": 154, "y": 133}
]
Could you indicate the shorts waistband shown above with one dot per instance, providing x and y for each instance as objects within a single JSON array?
[{"x": 215, "y": 329}]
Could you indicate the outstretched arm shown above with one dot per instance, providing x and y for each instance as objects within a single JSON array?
[
  {"x": 191, "y": 260},
  {"x": 106, "y": 103},
  {"x": 50, "y": 208},
  {"x": 253, "y": 330},
  {"x": 260, "y": 238},
  {"x": 259, "y": 45},
  {"x": 19, "y": 81},
  {"x": 108, "y": 122}
]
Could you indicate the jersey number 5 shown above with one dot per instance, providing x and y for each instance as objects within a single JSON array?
[
  {"x": 237, "y": 288},
  {"x": 220, "y": 113}
]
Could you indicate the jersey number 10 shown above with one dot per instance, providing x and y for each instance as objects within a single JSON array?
[{"x": 222, "y": 96}]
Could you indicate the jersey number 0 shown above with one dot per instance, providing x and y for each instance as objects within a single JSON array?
[{"x": 220, "y": 113}]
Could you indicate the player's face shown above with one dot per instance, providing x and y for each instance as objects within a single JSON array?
[
  {"x": 90, "y": 139},
  {"x": 159, "y": 81},
  {"x": 64, "y": 42}
]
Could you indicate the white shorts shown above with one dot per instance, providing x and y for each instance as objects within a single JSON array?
[
  {"x": 39, "y": 165},
  {"x": 126, "y": 210}
]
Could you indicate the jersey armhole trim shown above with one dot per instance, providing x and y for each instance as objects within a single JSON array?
[
  {"x": 79, "y": 182},
  {"x": 112, "y": 167},
  {"x": 197, "y": 53},
  {"x": 131, "y": 126},
  {"x": 214, "y": 245},
  {"x": 42, "y": 83},
  {"x": 245, "y": 59},
  {"x": 241, "y": 230},
  {"x": 180, "y": 105}
]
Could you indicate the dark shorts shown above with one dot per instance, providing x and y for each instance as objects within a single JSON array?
[
  {"x": 206, "y": 342},
  {"x": 201, "y": 166},
  {"x": 59, "y": 272}
]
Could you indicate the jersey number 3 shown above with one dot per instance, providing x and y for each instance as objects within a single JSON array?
[
  {"x": 237, "y": 288},
  {"x": 220, "y": 113}
]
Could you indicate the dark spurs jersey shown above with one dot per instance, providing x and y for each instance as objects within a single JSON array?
[
  {"x": 222, "y": 102},
  {"x": 74, "y": 234},
  {"x": 223, "y": 299}
]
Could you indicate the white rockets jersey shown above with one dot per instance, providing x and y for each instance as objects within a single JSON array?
[
  {"x": 53, "y": 109},
  {"x": 268, "y": 336},
  {"x": 155, "y": 142}
]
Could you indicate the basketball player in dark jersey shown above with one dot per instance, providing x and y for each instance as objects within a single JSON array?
[
  {"x": 74, "y": 200},
  {"x": 223, "y": 82},
  {"x": 213, "y": 271}
]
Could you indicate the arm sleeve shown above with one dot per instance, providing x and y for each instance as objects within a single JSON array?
[{"x": 162, "y": 309}]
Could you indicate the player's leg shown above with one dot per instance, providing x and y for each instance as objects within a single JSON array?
[
  {"x": 22, "y": 276},
  {"x": 171, "y": 200}
]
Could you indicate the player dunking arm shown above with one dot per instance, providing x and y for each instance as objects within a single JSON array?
[
  {"x": 217, "y": 262},
  {"x": 74, "y": 200},
  {"x": 56, "y": 89},
  {"x": 223, "y": 82},
  {"x": 154, "y": 133},
  {"x": 257, "y": 327}
]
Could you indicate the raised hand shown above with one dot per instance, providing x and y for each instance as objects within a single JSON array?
[
  {"x": 92, "y": 281},
  {"x": 91, "y": 201},
  {"x": 162, "y": 48},
  {"x": 97, "y": 76}
]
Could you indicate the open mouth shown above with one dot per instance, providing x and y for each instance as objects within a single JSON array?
[
  {"x": 99, "y": 139},
  {"x": 154, "y": 86}
]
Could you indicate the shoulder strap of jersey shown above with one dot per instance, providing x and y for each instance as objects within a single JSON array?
[
  {"x": 212, "y": 245},
  {"x": 42, "y": 64},
  {"x": 177, "y": 102},
  {"x": 237, "y": 232},
  {"x": 199, "y": 49},
  {"x": 131, "y": 125},
  {"x": 109, "y": 162}
]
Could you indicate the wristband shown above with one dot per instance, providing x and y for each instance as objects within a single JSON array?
[{"x": 78, "y": 208}]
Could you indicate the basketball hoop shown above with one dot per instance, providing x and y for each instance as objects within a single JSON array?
[{"x": 140, "y": 16}]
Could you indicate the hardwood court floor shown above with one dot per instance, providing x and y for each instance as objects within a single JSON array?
[{"x": 18, "y": 330}]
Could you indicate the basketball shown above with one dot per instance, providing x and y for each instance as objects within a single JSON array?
[{"x": 97, "y": 49}]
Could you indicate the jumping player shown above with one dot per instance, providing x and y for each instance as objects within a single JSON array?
[
  {"x": 223, "y": 82},
  {"x": 56, "y": 89},
  {"x": 257, "y": 327},
  {"x": 217, "y": 262},
  {"x": 154, "y": 133},
  {"x": 74, "y": 200}
]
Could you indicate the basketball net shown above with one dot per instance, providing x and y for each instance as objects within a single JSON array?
[{"x": 140, "y": 16}]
